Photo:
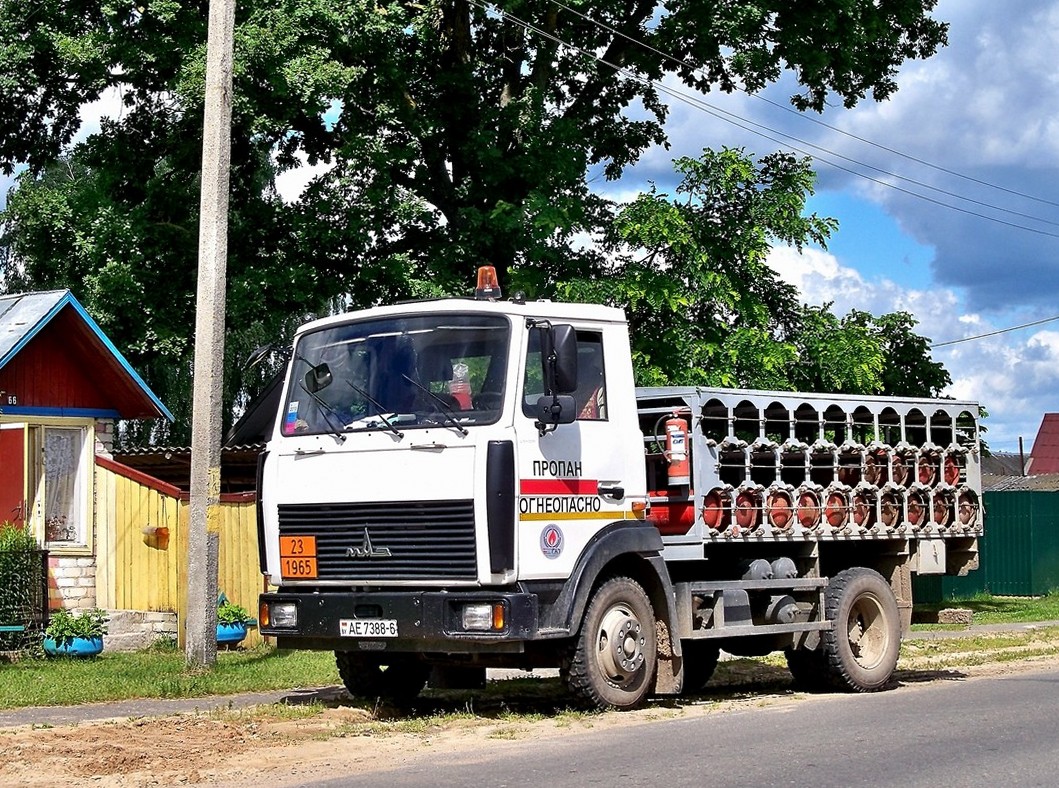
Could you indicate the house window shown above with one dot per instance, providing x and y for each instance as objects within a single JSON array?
[
  {"x": 63, "y": 487},
  {"x": 58, "y": 485}
]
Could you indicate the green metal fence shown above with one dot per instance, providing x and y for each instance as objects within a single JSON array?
[
  {"x": 23, "y": 596},
  {"x": 1019, "y": 554}
]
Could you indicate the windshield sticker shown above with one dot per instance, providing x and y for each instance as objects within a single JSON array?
[{"x": 290, "y": 423}]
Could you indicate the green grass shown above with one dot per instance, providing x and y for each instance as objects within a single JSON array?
[
  {"x": 990, "y": 609},
  {"x": 158, "y": 673},
  {"x": 161, "y": 673}
]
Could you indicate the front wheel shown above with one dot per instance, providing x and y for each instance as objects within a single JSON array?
[
  {"x": 400, "y": 681},
  {"x": 862, "y": 648},
  {"x": 614, "y": 657}
]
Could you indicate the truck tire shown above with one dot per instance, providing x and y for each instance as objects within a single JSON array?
[
  {"x": 399, "y": 682},
  {"x": 614, "y": 656},
  {"x": 700, "y": 661},
  {"x": 808, "y": 668},
  {"x": 861, "y": 649}
]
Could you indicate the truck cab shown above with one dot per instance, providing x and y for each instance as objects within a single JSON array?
[{"x": 447, "y": 478}]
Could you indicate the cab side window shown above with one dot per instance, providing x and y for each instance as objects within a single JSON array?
[
  {"x": 591, "y": 394},
  {"x": 590, "y": 397}
]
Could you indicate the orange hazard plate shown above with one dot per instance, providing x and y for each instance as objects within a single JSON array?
[
  {"x": 298, "y": 567},
  {"x": 297, "y": 546}
]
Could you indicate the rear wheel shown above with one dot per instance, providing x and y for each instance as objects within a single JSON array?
[
  {"x": 614, "y": 657},
  {"x": 400, "y": 681},
  {"x": 700, "y": 661},
  {"x": 861, "y": 649}
]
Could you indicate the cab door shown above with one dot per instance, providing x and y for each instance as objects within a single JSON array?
[
  {"x": 13, "y": 474},
  {"x": 577, "y": 479}
]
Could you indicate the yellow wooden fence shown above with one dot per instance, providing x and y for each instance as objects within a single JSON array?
[{"x": 142, "y": 546}]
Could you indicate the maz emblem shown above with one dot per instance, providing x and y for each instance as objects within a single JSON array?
[{"x": 368, "y": 550}]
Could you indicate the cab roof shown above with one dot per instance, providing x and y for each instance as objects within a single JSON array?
[{"x": 541, "y": 310}]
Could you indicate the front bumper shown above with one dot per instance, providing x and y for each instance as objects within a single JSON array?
[{"x": 427, "y": 621}]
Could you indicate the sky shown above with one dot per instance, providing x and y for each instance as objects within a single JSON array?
[{"x": 978, "y": 121}]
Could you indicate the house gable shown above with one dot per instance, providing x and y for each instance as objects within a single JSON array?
[
  {"x": 55, "y": 361},
  {"x": 1044, "y": 458}
]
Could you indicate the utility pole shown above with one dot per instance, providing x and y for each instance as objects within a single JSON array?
[{"x": 200, "y": 627}]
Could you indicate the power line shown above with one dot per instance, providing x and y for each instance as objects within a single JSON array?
[
  {"x": 830, "y": 152},
  {"x": 720, "y": 115},
  {"x": 903, "y": 155},
  {"x": 678, "y": 61},
  {"x": 995, "y": 333}
]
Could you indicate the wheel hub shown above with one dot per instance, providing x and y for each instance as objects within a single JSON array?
[
  {"x": 866, "y": 638},
  {"x": 621, "y": 644}
]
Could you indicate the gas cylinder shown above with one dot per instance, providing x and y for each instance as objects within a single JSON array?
[{"x": 677, "y": 451}]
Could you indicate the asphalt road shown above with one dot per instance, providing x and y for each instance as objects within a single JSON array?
[{"x": 1001, "y": 731}]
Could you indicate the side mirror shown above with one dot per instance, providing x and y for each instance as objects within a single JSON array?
[
  {"x": 552, "y": 410},
  {"x": 559, "y": 359},
  {"x": 318, "y": 377}
]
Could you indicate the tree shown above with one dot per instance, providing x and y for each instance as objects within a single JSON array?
[
  {"x": 704, "y": 306},
  {"x": 706, "y": 309},
  {"x": 907, "y": 368},
  {"x": 124, "y": 240},
  {"x": 453, "y": 135}
]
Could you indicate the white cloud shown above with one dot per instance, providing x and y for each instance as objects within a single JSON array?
[
  {"x": 291, "y": 183},
  {"x": 1013, "y": 377},
  {"x": 109, "y": 105}
]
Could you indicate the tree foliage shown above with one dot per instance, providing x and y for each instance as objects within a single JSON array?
[
  {"x": 706, "y": 309},
  {"x": 447, "y": 133}
]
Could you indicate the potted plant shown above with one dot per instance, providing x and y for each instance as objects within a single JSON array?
[
  {"x": 232, "y": 622},
  {"x": 76, "y": 635}
]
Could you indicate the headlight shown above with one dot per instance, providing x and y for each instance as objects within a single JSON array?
[
  {"x": 483, "y": 617},
  {"x": 283, "y": 614}
]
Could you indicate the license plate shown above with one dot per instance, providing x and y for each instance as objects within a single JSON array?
[{"x": 367, "y": 627}]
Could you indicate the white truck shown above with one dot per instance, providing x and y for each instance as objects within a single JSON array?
[{"x": 459, "y": 484}]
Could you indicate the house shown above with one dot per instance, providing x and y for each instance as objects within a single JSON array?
[
  {"x": 1044, "y": 457},
  {"x": 63, "y": 387}
]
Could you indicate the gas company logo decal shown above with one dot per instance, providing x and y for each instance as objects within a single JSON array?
[{"x": 552, "y": 541}]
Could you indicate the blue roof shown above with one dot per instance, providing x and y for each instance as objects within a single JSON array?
[{"x": 24, "y": 315}]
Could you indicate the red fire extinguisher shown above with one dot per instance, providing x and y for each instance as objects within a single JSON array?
[{"x": 677, "y": 450}]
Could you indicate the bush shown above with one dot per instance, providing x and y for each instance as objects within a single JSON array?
[
  {"x": 20, "y": 581},
  {"x": 16, "y": 539}
]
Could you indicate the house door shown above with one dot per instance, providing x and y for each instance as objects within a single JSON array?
[{"x": 13, "y": 473}]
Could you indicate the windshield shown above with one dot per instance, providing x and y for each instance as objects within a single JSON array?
[{"x": 398, "y": 373}]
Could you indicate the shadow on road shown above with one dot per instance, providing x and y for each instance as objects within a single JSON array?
[
  {"x": 926, "y": 676},
  {"x": 738, "y": 679}
]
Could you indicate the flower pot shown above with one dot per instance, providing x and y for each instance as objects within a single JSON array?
[
  {"x": 76, "y": 647},
  {"x": 230, "y": 634}
]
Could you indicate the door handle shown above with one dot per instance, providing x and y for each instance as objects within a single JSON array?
[{"x": 611, "y": 490}]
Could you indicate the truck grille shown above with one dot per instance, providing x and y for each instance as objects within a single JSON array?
[{"x": 426, "y": 540}]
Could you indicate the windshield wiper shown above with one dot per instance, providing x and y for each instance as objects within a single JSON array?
[
  {"x": 330, "y": 414},
  {"x": 378, "y": 405},
  {"x": 443, "y": 406}
]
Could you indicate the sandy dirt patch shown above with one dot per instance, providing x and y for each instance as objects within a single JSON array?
[{"x": 285, "y": 746}]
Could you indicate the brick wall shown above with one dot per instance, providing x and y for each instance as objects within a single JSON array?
[{"x": 71, "y": 582}]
